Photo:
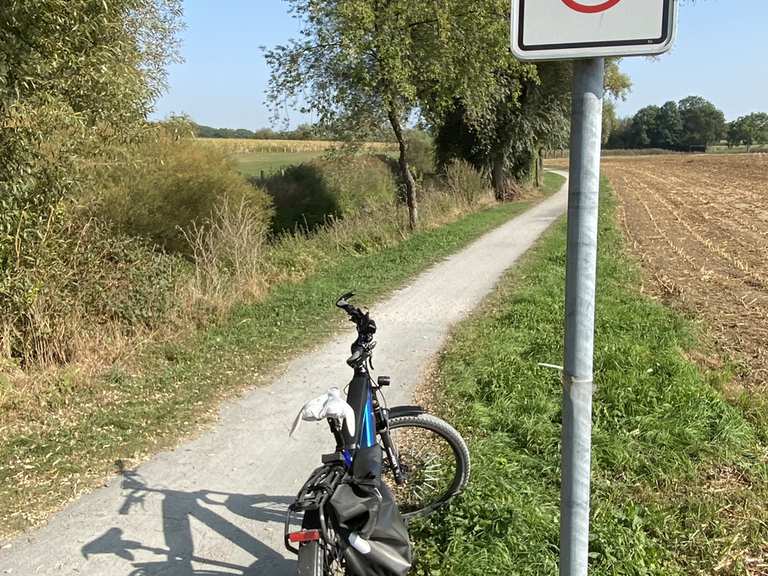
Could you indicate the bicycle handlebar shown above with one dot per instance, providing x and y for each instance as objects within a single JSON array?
[
  {"x": 366, "y": 328},
  {"x": 362, "y": 320}
]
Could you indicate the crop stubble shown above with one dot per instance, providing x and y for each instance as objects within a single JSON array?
[{"x": 699, "y": 225}]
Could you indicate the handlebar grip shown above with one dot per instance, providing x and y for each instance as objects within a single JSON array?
[
  {"x": 357, "y": 354},
  {"x": 343, "y": 300}
]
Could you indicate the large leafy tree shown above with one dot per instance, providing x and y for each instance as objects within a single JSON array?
[
  {"x": 654, "y": 127},
  {"x": 669, "y": 126},
  {"x": 643, "y": 133},
  {"x": 361, "y": 64},
  {"x": 703, "y": 123},
  {"x": 694, "y": 121},
  {"x": 73, "y": 74},
  {"x": 527, "y": 110},
  {"x": 353, "y": 67},
  {"x": 749, "y": 130}
]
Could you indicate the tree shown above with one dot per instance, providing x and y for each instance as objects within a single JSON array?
[
  {"x": 749, "y": 130},
  {"x": 654, "y": 127},
  {"x": 505, "y": 141},
  {"x": 733, "y": 133},
  {"x": 620, "y": 137},
  {"x": 527, "y": 109},
  {"x": 610, "y": 120},
  {"x": 644, "y": 130},
  {"x": 669, "y": 126},
  {"x": 703, "y": 123},
  {"x": 361, "y": 64},
  {"x": 530, "y": 112}
]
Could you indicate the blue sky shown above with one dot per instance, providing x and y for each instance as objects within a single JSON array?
[{"x": 721, "y": 54}]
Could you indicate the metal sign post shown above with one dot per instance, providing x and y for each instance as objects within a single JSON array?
[
  {"x": 581, "y": 275},
  {"x": 586, "y": 31}
]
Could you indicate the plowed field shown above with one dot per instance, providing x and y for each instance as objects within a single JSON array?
[{"x": 699, "y": 225}]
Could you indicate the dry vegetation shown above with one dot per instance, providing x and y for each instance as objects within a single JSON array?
[{"x": 245, "y": 145}]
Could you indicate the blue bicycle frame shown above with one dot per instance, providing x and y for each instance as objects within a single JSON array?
[{"x": 360, "y": 398}]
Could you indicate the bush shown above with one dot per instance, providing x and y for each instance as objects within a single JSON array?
[
  {"x": 421, "y": 153},
  {"x": 301, "y": 198},
  {"x": 168, "y": 185},
  {"x": 308, "y": 195},
  {"x": 464, "y": 183},
  {"x": 85, "y": 279}
]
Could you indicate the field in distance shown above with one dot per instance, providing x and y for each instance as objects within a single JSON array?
[
  {"x": 699, "y": 225},
  {"x": 257, "y": 157}
]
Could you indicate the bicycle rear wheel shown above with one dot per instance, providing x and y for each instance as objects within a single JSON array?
[
  {"x": 434, "y": 460},
  {"x": 316, "y": 557},
  {"x": 311, "y": 559}
]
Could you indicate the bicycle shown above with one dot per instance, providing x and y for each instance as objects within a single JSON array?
[{"x": 422, "y": 461}]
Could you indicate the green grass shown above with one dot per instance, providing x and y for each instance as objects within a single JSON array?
[
  {"x": 254, "y": 163},
  {"x": 178, "y": 387},
  {"x": 737, "y": 149},
  {"x": 679, "y": 475},
  {"x": 552, "y": 183}
]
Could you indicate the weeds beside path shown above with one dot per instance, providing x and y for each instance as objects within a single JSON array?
[
  {"x": 177, "y": 387},
  {"x": 680, "y": 477}
]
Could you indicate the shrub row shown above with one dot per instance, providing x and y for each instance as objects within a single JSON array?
[
  {"x": 308, "y": 195},
  {"x": 165, "y": 233}
]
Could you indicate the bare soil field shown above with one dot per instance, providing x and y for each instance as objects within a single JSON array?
[{"x": 699, "y": 225}]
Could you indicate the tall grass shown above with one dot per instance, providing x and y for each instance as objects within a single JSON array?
[
  {"x": 166, "y": 185},
  {"x": 228, "y": 252},
  {"x": 166, "y": 236}
]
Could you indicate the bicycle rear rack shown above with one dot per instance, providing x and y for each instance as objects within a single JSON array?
[{"x": 313, "y": 497}]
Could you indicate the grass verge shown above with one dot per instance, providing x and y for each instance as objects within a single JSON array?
[
  {"x": 177, "y": 387},
  {"x": 267, "y": 163},
  {"x": 680, "y": 478}
]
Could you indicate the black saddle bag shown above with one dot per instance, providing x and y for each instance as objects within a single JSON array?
[{"x": 375, "y": 537}]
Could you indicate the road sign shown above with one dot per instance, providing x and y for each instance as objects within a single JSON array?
[
  {"x": 566, "y": 29},
  {"x": 588, "y": 30}
]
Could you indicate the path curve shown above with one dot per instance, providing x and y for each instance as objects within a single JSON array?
[{"x": 214, "y": 506}]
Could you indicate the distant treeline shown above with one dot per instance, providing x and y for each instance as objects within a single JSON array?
[
  {"x": 689, "y": 125},
  {"x": 302, "y": 132}
]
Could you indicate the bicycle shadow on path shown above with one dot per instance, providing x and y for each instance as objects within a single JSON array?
[{"x": 208, "y": 508}]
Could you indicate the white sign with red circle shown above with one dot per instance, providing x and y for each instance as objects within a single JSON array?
[{"x": 565, "y": 29}]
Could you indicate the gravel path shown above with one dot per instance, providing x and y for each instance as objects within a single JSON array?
[{"x": 215, "y": 505}]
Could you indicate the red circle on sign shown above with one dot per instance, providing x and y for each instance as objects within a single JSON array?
[{"x": 590, "y": 9}]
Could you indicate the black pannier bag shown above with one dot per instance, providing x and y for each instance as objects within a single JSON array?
[{"x": 370, "y": 524}]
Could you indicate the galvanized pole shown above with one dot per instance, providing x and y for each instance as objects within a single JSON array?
[{"x": 586, "y": 133}]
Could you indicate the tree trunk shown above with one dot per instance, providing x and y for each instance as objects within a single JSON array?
[
  {"x": 499, "y": 177},
  {"x": 540, "y": 168},
  {"x": 405, "y": 170}
]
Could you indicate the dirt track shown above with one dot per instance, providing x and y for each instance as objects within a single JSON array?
[{"x": 699, "y": 225}]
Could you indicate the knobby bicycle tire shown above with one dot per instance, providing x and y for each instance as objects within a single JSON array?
[{"x": 459, "y": 453}]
